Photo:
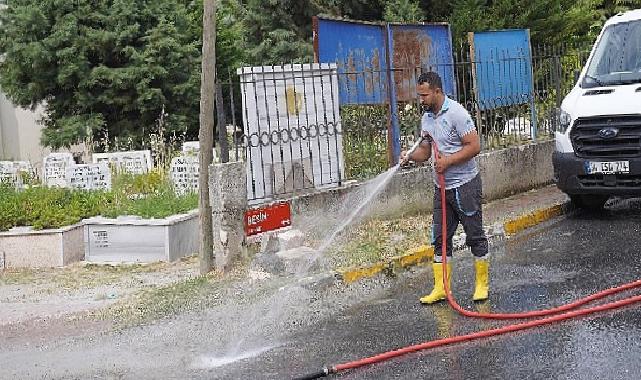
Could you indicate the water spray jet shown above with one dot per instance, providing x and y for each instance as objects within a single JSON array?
[{"x": 553, "y": 315}]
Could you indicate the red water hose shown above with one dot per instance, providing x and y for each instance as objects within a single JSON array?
[{"x": 492, "y": 332}]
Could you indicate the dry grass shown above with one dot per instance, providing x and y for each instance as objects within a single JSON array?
[{"x": 376, "y": 240}]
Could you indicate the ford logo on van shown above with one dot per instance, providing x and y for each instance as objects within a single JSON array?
[{"x": 608, "y": 133}]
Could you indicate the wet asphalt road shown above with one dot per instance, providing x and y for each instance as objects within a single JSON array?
[
  {"x": 277, "y": 331},
  {"x": 554, "y": 264}
]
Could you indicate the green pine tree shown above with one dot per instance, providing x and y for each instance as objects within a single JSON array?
[
  {"x": 106, "y": 67},
  {"x": 403, "y": 11}
]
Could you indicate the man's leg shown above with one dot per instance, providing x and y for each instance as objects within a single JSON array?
[
  {"x": 438, "y": 292},
  {"x": 469, "y": 210}
]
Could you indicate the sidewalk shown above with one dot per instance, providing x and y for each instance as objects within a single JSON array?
[
  {"x": 501, "y": 218},
  {"x": 84, "y": 289}
]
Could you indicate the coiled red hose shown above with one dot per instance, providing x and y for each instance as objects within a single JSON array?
[{"x": 553, "y": 315}]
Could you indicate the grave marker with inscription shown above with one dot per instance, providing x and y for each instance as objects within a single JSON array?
[
  {"x": 133, "y": 162},
  {"x": 14, "y": 173},
  {"x": 89, "y": 177},
  {"x": 8, "y": 174},
  {"x": 184, "y": 174},
  {"x": 55, "y": 169},
  {"x": 192, "y": 148}
]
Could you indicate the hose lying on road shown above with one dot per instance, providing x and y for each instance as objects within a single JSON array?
[{"x": 553, "y": 315}]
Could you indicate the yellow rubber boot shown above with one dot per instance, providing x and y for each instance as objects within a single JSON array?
[
  {"x": 438, "y": 293},
  {"x": 482, "y": 280}
]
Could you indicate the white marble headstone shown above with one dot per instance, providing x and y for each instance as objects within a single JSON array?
[
  {"x": 134, "y": 162},
  {"x": 89, "y": 176},
  {"x": 184, "y": 174},
  {"x": 192, "y": 148},
  {"x": 13, "y": 172},
  {"x": 55, "y": 168},
  {"x": 8, "y": 174}
]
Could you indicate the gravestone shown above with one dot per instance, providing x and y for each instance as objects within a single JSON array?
[
  {"x": 184, "y": 174},
  {"x": 8, "y": 174},
  {"x": 13, "y": 173},
  {"x": 133, "y": 162},
  {"x": 55, "y": 169},
  {"x": 89, "y": 176},
  {"x": 192, "y": 148}
]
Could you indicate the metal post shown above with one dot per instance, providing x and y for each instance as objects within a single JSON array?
[
  {"x": 222, "y": 124},
  {"x": 532, "y": 97},
  {"x": 475, "y": 87},
  {"x": 393, "y": 130}
]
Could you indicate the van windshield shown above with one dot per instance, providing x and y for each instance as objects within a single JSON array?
[{"x": 617, "y": 58}]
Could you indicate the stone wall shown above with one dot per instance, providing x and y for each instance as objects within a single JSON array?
[{"x": 504, "y": 172}]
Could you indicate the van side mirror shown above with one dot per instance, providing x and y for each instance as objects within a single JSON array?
[{"x": 576, "y": 75}]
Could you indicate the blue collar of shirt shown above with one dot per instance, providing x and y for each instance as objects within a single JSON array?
[{"x": 444, "y": 108}]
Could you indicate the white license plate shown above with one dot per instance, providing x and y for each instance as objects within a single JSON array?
[{"x": 607, "y": 167}]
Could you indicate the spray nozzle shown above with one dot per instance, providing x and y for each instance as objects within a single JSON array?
[{"x": 412, "y": 149}]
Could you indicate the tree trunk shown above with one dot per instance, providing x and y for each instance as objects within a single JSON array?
[{"x": 206, "y": 132}]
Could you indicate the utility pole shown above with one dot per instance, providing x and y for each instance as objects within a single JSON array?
[{"x": 206, "y": 133}]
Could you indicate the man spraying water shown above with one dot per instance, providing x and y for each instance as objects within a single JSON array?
[{"x": 453, "y": 131}]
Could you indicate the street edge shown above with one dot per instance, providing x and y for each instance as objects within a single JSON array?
[{"x": 425, "y": 253}]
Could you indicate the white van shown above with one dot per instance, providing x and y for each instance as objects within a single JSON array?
[{"x": 599, "y": 154}]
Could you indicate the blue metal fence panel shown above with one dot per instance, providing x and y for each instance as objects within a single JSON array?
[
  {"x": 418, "y": 48},
  {"x": 503, "y": 67},
  {"x": 358, "y": 49},
  {"x": 361, "y": 48}
]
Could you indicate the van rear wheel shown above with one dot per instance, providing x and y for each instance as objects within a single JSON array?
[{"x": 589, "y": 202}]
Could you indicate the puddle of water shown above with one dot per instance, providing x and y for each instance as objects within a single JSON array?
[{"x": 207, "y": 362}]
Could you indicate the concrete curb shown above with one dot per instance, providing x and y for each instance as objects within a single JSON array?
[{"x": 425, "y": 253}]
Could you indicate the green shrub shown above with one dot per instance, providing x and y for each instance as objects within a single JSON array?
[
  {"x": 43, "y": 207},
  {"x": 158, "y": 205},
  {"x": 149, "y": 196}
]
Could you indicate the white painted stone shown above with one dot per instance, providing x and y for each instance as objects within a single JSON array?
[
  {"x": 291, "y": 239},
  {"x": 297, "y": 259}
]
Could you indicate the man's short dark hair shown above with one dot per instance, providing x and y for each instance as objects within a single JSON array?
[{"x": 432, "y": 79}]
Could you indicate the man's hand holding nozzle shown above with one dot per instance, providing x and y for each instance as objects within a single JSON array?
[{"x": 404, "y": 158}]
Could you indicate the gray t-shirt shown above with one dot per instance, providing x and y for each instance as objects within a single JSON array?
[{"x": 446, "y": 128}]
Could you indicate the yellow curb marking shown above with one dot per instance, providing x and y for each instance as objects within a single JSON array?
[
  {"x": 532, "y": 219},
  {"x": 415, "y": 256},
  {"x": 426, "y": 253},
  {"x": 356, "y": 274}
]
